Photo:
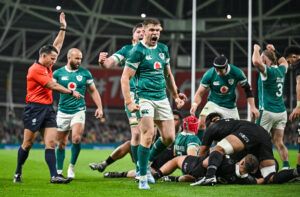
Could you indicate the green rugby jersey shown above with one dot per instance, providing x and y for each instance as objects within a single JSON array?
[
  {"x": 74, "y": 80},
  {"x": 270, "y": 89},
  {"x": 222, "y": 88},
  {"x": 121, "y": 56},
  {"x": 183, "y": 141},
  {"x": 150, "y": 64}
]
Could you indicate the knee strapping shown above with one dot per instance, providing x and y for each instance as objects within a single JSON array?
[{"x": 227, "y": 147}]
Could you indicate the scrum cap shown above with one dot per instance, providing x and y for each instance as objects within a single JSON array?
[{"x": 191, "y": 123}]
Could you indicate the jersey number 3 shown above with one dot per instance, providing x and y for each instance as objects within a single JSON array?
[{"x": 280, "y": 88}]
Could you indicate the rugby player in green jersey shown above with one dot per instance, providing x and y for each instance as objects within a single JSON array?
[
  {"x": 150, "y": 64},
  {"x": 118, "y": 60},
  {"x": 221, "y": 81},
  {"x": 273, "y": 115},
  {"x": 71, "y": 112}
]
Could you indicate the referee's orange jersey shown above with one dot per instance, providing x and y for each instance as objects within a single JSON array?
[{"x": 37, "y": 77}]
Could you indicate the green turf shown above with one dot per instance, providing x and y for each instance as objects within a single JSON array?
[{"x": 92, "y": 183}]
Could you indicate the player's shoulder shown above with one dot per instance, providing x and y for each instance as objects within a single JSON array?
[
  {"x": 125, "y": 48},
  {"x": 36, "y": 66},
  {"x": 162, "y": 46},
  {"x": 83, "y": 70},
  {"x": 138, "y": 48},
  {"x": 235, "y": 69},
  {"x": 210, "y": 71},
  {"x": 194, "y": 138},
  {"x": 59, "y": 70},
  {"x": 128, "y": 47}
]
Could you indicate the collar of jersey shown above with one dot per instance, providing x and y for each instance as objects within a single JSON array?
[
  {"x": 237, "y": 172},
  {"x": 186, "y": 133},
  {"x": 154, "y": 47},
  {"x": 70, "y": 71}
]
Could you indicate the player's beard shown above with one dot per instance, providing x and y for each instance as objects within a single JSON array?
[{"x": 74, "y": 66}]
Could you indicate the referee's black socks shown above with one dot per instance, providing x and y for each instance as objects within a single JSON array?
[{"x": 22, "y": 156}]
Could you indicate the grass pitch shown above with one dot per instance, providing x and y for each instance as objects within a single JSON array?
[{"x": 91, "y": 183}]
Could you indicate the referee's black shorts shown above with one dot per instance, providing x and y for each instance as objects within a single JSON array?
[{"x": 38, "y": 116}]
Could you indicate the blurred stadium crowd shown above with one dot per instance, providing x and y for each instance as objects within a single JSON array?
[{"x": 106, "y": 131}]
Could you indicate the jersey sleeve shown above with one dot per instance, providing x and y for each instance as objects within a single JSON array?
[
  {"x": 120, "y": 55},
  {"x": 283, "y": 68},
  {"x": 193, "y": 142},
  {"x": 241, "y": 77},
  {"x": 89, "y": 76},
  {"x": 206, "y": 79},
  {"x": 135, "y": 58},
  {"x": 55, "y": 76},
  {"x": 247, "y": 180},
  {"x": 266, "y": 73},
  {"x": 40, "y": 76},
  {"x": 207, "y": 137},
  {"x": 167, "y": 56}
]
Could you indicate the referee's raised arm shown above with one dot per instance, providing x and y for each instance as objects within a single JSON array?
[{"x": 59, "y": 40}]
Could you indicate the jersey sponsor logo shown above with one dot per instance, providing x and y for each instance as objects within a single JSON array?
[
  {"x": 224, "y": 89},
  {"x": 162, "y": 56},
  {"x": 33, "y": 121},
  {"x": 64, "y": 78},
  {"x": 72, "y": 86},
  {"x": 157, "y": 65},
  {"x": 148, "y": 57},
  {"x": 145, "y": 111},
  {"x": 245, "y": 138},
  {"x": 280, "y": 80},
  {"x": 231, "y": 81},
  {"x": 79, "y": 78},
  {"x": 216, "y": 83}
]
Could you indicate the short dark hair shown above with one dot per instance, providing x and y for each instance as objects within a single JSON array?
[
  {"x": 139, "y": 25},
  {"x": 211, "y": 116},
  {"x": 251, "y": 163},
  {"x": 153, "y": 21},
  {"x": 176, "y": 112},
  {"x": 221, "y": 62},
  {"x": 47, "y": 49},
  {"x": 291, "y": 50}
]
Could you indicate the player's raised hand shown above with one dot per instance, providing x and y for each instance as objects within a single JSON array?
[
  {"x": 133, "y": 107},
  {"x": 99, "y": 113},
  {"x": 193, "y": 109},
  {"x": 270, "y": 47},
  {"x": 102, "y": 57},
  {"x": 62, "y": 21},
  {"x": 256, "y": 47},
  {"x": 179, "y": 102}
]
